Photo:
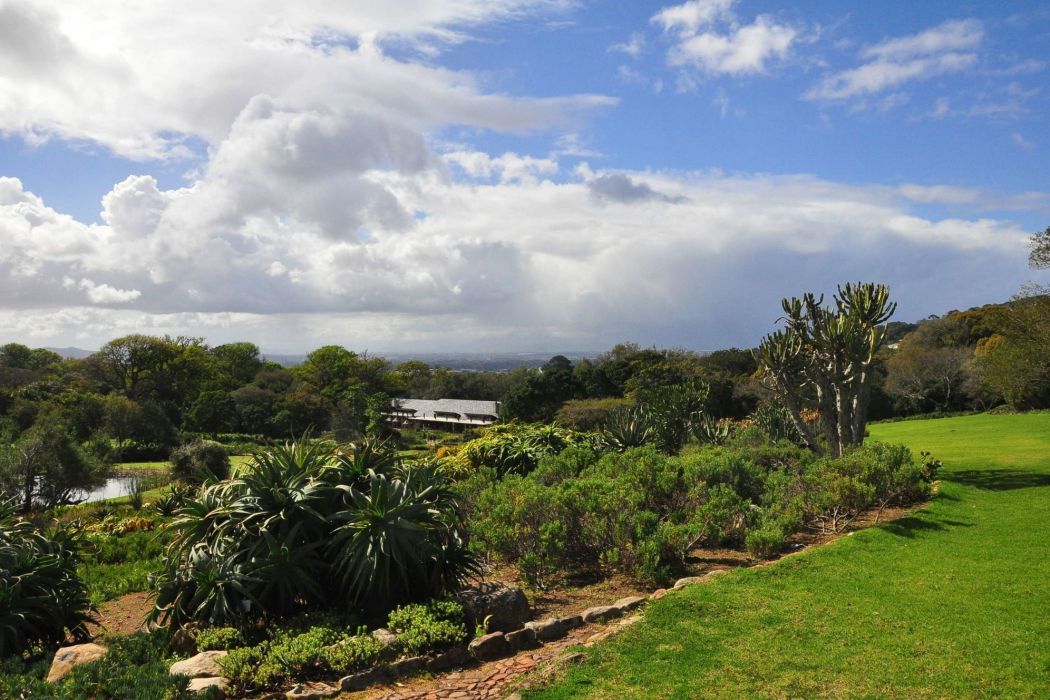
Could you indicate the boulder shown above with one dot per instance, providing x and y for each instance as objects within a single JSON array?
[
  {"x": 361, "y": 680},
  {"x": 200, "y": 685},
  {"x": 491, "y": 646},
  {"x": 658, "y": 594},
  {"x": 389, "y": 641},
  {"x": 450, "y": 658},
  {"x": 525, "y": 638},
  {"x": 407, "y": 666},
  {"x": 554, "y": 627},
  {"x": 601, "y": 613},
  {"x": 203, "y": 665},
  {"x": 687, "y": 581},
  {"x": 629, "y": 603},
  {"x": 68, "y": 657},
  {"x": 303, "y": 691},
  {"x": 506, "y": 608}
]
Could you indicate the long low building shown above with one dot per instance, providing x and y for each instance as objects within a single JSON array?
[{"x": 442, "y": 413}]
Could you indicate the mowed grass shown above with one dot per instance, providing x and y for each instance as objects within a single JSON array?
[{"x": 952, "y": 602}]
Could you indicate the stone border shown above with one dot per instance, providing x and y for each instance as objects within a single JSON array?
[{"x": 489, "y": 647}]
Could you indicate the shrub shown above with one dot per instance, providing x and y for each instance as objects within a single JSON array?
[
  {"x": 198, "y": 462},
  {"x": 589, "y": 414},
  {"x": 42, "y": 600},
  {"x": 423, "y": 628},
  {"x": 641, "y": 512},
  {"x": 517, "y": 448},
  {"x": 765, "y": 541},
  {"x": 218, "y": 638},
  {"x": 354, "y": 654}
]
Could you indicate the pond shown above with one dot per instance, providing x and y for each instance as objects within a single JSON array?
[{"x": 115, "y": 487}]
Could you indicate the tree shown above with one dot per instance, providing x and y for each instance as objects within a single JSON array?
[
  {"x": 15, "y": 355},
  {"x": 824, "y": 357},
  {"x": 1016, "y": 363},
  {"x": 213, "y": 412},
  {"x": 1039, "y": 250},
  {"x": 46, "y": 467}
]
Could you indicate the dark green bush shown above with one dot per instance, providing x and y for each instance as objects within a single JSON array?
[{"x": 198, "y": 462}]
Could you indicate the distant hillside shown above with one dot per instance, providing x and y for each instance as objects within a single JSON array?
[{"x": 72, "y": 353}]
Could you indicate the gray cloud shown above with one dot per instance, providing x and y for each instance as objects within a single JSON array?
[{"x": 620, "y": 188}]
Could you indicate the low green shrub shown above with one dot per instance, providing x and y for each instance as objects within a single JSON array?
[
  {"x": 357, "y": 653},
  {"x": 218, "y": 638},
  {"x": 428, "y": 627},
  {"x": 136, "y": 667}
]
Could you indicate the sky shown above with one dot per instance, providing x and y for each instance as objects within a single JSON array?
[{"x": 506, "y": 175}]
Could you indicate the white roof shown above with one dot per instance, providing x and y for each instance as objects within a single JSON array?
[{"x": 426, "y": 408}]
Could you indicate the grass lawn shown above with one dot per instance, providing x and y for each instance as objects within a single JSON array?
[
  {"x": 141, "y": 466},
  {"x": 953, "y": 602}
]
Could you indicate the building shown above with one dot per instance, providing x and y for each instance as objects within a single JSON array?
[{"x": 444, "y": 414}]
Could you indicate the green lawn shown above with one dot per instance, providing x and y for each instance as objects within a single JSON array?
[{"x": 953, "y": 602}]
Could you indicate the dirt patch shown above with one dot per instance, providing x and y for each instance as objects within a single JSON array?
[{"x": 124, "y": 615}]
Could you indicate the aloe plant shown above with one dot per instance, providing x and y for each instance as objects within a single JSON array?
[
  {"x": 627, "y": 428},
  {"x": 309, "y": 525}
]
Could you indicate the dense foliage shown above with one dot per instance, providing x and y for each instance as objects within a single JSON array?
[
  {"x": 42, "y": 601},
  {"x": 641, "y": 512},
  {"x": 310, "y": 526}
]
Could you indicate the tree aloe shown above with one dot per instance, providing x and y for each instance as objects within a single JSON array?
[{"x": 824, "y": 356}]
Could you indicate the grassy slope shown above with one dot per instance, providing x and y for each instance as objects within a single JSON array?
[{"x": 949, "y": 603}]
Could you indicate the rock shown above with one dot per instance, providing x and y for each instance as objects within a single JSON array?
[
  {"x": 450, "y": 658},
  {"x": 407, "y": 666},
  {"x": 525, "y": 638},
  {"x": 506, "y": 607},
  {"x": 491, "y": 646},
  {"x": 360, "y": 681},
  {"x": 658, "y": 594},
  {"x": 687, "y": 581},
  {"x": 599, "y": 636},
  {"x": 573, "y": 658},
  {"x": 628, "y": 621},
  {"x": 389, "y": 641},
  {"x": 302, "y": 691},
  {"x": 629, "y": 603},
  {"x": 200, "y": 685},
  {"x": 68, "y": 657},
  {"x": 719, "y": 572},
  {"x": 513, "y": 696},
  {"x": 554, "y": 628},
  {"x": 203, "y": 665},
  {"x": 601, "y": 613}
]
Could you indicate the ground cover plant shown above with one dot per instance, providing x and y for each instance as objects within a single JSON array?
[{"x": 948, "y": 602}]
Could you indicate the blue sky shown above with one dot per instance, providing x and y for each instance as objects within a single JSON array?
[{"x": 509, "y": 175}]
